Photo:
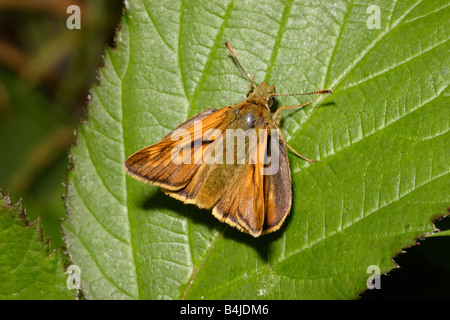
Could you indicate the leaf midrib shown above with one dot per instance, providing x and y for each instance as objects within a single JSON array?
[
  {"x": 123, "y": 93},
  {"x": 192, "y": 101}
]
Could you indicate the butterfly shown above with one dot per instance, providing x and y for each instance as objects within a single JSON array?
[{"x": 243, "y": 176}]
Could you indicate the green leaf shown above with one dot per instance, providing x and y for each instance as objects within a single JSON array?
[
  {"x": 380, "y": 141},
  {"x": 26, "y": 269},
  {"x": 439, "y": 234}
]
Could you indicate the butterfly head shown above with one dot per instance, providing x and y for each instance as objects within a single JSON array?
[{"x": 262, "y": 95}]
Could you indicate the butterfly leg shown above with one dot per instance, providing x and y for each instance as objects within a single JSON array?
[
  {"x": 298, "y": 154},
  {"x": 277, "y": 114},
  {"x": 292, "y": 149}
]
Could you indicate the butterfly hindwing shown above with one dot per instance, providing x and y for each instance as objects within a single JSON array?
[{"x": 277, "y": 187}]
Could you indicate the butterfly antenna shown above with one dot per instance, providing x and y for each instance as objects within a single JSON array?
[
  {"x": 323, "y": 91},
  {"x": 237, "y": 61}
]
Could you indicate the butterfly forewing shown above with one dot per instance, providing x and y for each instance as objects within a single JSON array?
[{"x": 154, "y": 163}]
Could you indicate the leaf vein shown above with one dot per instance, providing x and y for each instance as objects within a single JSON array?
[
  {"x": 352, "y": 66},
  {"x": 147, "y": 10},
  {"x": 97, "y": 263},
  {"x": 396, "y": 65},
  {"x": 278, "y": 38}
]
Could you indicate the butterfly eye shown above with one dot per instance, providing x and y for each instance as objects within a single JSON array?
[{"x": 270, "y": 102}]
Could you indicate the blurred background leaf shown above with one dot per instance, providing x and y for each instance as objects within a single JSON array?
[{"x": 46, "y": 71}]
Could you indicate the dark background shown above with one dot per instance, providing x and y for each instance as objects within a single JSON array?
[{"x": 46, "y": 71}]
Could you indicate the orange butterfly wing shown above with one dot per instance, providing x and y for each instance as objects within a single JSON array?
[
  {"x": 277, "y": 189},
  {"x": 154, "y": 164},
  {"x": 259, "y": 204}
]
